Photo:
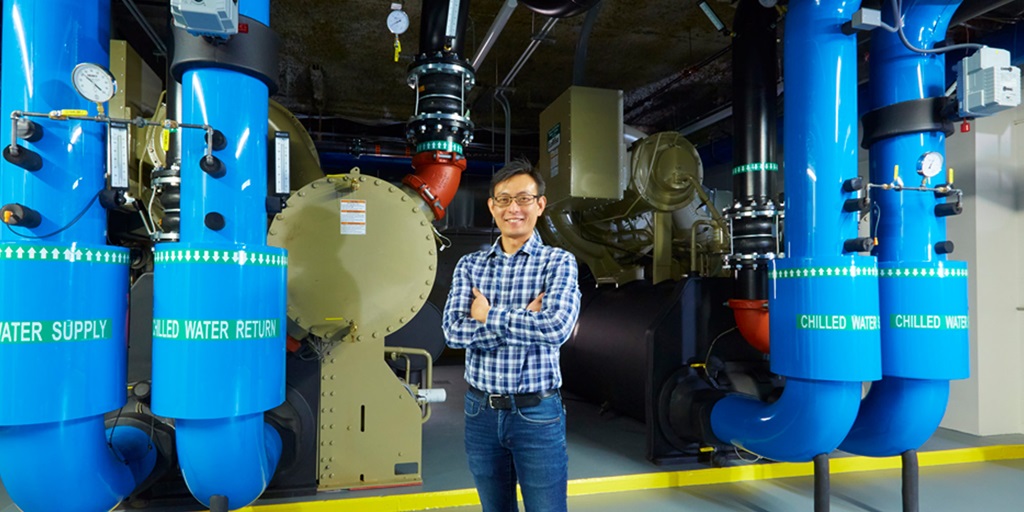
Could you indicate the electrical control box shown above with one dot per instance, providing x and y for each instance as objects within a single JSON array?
[
  {"x": 215, "y": 18},
  {"x": 986, "y": 83}
]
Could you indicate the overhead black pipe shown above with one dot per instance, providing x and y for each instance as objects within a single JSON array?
[
  {"x": 559, "y": 8},
  {"x": 579, "y": 67},
  {"x": 434, "y": 40},
  {"x": 755, "y": 74}
]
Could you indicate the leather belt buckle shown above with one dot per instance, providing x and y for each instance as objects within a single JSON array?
[{"x": 499, "y": 402}]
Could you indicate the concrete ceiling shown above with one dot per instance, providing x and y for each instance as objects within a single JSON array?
[{"x": 337, "y": 71}]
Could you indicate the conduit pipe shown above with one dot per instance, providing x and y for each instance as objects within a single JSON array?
[
  {"x": 823, "y": 300},
  {"x": 500, "y": 20},
  {"x": 219, "y": 293},
  {"x": 57, "y": 377},
  {"x": 923, "y": 293}
]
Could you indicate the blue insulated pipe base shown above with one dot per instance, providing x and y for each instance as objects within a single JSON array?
[
  {"x": 811, "y": 418},
  {"x": 218, "y": 458},
  {"x": 897, "y": 415},
  {"x": 73, "y": 466}
]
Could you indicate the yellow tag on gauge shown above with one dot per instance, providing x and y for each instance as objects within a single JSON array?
[{"x": 165, "y": 140}]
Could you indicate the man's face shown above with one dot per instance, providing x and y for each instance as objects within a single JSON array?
[{"x": 516, "y": 221}]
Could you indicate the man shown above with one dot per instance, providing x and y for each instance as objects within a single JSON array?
[{"x": 511, "y": 307}]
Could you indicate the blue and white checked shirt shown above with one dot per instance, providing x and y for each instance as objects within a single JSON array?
[{"x": 516, "y": 351}]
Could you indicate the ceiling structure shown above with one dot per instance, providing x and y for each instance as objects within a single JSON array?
[{"x": 338, "y": 74}]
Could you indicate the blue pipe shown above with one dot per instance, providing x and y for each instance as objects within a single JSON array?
[
  {"x": 63, "y": 353},
  {"x": 219, "y": 301},
  {"x": 823, "y": 303},
  {"x": 923, "y": 294}
]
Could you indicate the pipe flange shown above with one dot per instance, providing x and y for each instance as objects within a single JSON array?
[
  {"x": 449, "y": 68},
  {"x": 254, "y": 53},
  {"x": 167, "y": 181}
]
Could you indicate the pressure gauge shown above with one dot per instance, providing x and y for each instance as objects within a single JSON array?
[
  {"x": 930, "y": 164},
  {"x": 93, "y": 82},
  {"x": 398, "y": 20}
]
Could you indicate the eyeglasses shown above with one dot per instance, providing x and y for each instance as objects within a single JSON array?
[{"x": 521, "y": 200}]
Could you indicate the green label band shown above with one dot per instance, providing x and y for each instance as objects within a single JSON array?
[
  {"x": 823, "y": 272},
  {"x": 838, "y": 322},
  {"x": 57, "y": 331},
  {"x": 923, "y": 272},
  {"x": 439, "y": 145},
  {"x": 62, "y": 253},
  {"x": 755, "y": 167},
  {"x": 221, "y": 257},
  {"x": 931, "y": 322},
  {"x": 203, "y": 330}
]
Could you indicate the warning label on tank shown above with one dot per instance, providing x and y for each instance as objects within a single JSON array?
[
  {"x": 353, "y": 217},
  {"x": 195, "y": 330},
  {"x": 55, "y": 331}
]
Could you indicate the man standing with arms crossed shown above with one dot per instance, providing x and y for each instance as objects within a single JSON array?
[{"x": 511, "y": 306}]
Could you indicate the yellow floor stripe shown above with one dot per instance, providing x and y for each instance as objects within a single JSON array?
[{"x": 647, "y": 481}]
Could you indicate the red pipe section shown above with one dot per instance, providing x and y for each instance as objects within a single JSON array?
[
  {"x": 436, "y": 178},
  {"x": 752, "y": 321}
]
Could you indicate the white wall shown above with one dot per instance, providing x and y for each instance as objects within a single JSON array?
[{"x": 989, "y": 168}]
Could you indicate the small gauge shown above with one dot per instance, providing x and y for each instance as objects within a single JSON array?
[
  {"x": 930, "y": 164},
  {"x": 93, "y": 82},
  {"x": 398, "y": 21}
]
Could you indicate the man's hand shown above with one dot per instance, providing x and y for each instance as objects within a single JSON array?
[
  {"x": 535, "y": 304},
  {"x": 481, "y": 306}
]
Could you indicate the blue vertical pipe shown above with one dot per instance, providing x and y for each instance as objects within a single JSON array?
[
  {"x": 63, "y": 333},
  {"x": 823, "y": 303},
  {"x": 923, "y": 294},
  {"x": 219, "y": 305}
]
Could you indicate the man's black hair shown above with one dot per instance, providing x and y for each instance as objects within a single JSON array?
[{"x": 514, "y": 168}]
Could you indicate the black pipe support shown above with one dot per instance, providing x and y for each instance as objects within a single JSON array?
[
  {"x": 853, "y": 184},
  {"x": 858, "y": 204},
  {"x": 23, "y": 157},
  {"x": 20, "y": 215},
  {"x": 944, "y": 247},
  {"x": 858, "y": 244},
  {"x": 821, "y": 483},
  {"x": 948, "y": 209},
  {"x": 911, "y": 491}
]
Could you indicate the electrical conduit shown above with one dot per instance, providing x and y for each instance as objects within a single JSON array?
[
  {"x": 56, "y": 384},
  {"x": 824, "y": 301}
]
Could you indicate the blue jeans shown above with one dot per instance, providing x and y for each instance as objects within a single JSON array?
[{"x": 527, "y": 445}]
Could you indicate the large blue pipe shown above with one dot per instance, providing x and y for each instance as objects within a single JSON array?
[
  {"x": 219, "y": 306},
  {"x": 823, "y": 303},
  {"x": 63, "y": 336},
  {"x": 923, "y": 294}
]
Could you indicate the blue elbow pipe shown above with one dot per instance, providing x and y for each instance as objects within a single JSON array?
[
  {"x": 823, "y": 297},
  {"x": 810, "y": 418},
  {"x": 217, "y": 457},
  {"x": 897, "y": 415},
  {"x": 924, "y": 340},
  {"x": 68, "y": 466}
]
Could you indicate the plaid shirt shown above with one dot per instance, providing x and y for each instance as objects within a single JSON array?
[{"x": 516, "y": 350}]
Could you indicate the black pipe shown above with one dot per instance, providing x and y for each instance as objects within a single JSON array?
[
  {"x": 821, "y": 483},
  {"x": 579, "y": 68},
  {"x": 434, "y": 21},
  {"x": 755, "y": 73},
  {"x": 911, "y": 492},
  {"x": 559, "y": 8}
]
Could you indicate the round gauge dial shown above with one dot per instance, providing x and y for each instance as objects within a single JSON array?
[
  {"x": 930, "y": 164},
  {"x": 93, "y": 82},
  {"x": 398, "y": 21}
]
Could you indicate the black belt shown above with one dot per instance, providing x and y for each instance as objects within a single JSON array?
[{"x": 503, "y": 402}]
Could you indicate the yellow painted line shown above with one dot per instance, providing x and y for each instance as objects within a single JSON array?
[{"x": 647, "y": 481}]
